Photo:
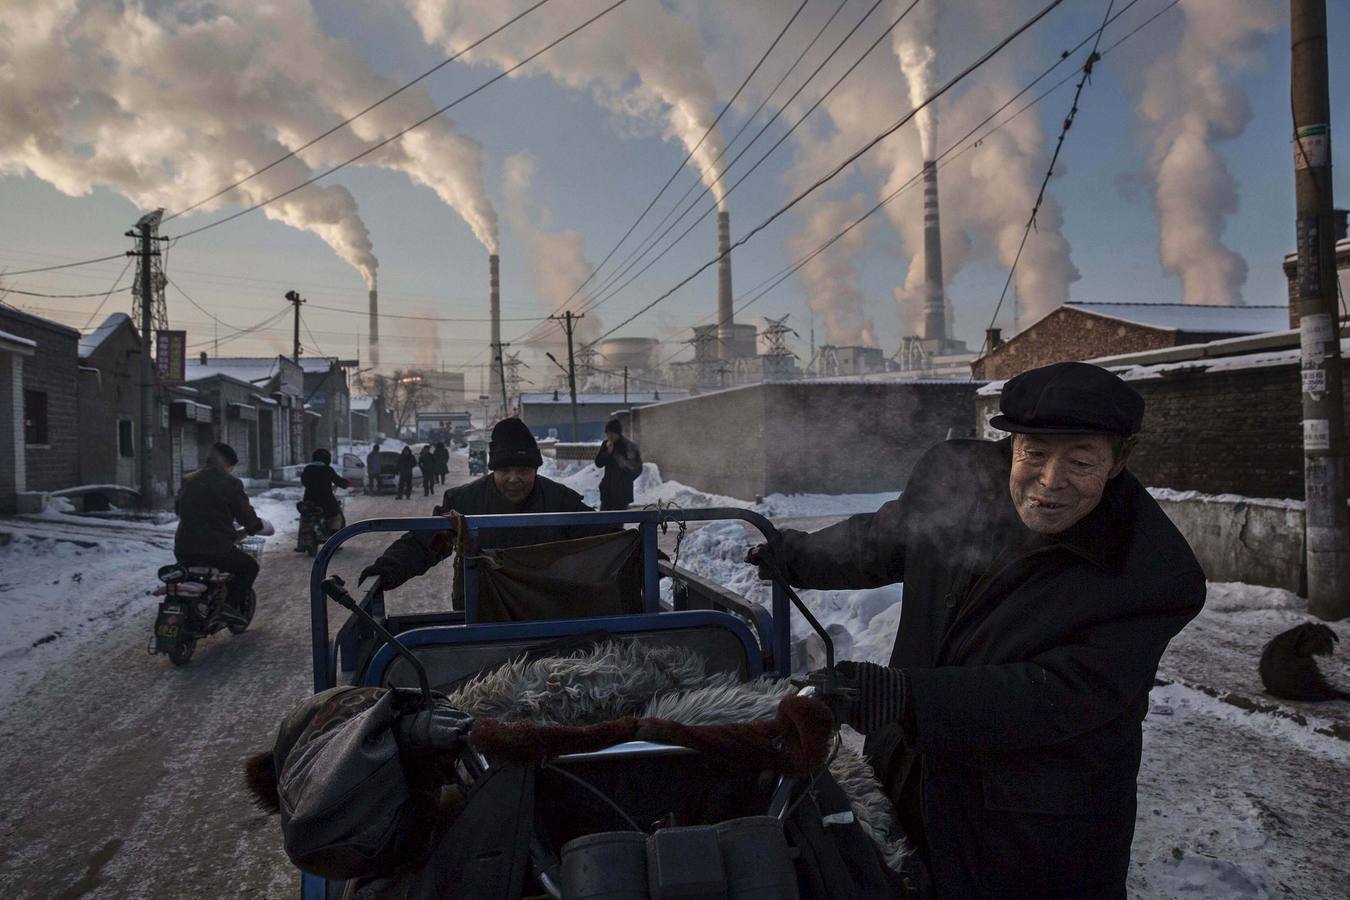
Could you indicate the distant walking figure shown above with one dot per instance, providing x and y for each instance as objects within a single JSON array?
[{"x": 406, "y": 463}]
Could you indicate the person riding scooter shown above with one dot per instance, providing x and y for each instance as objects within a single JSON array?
[
  {"x": 319, "y": 478},
  {"x": 209, "y": 504}
]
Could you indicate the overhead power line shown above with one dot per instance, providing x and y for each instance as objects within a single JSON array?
[
  {"x": 359, "y": 312},
  {"x": 420, "y": 122},
  {"x": 345, "y": 122},
  {"x": 848, "y": 161},
  {"x": 69, "y": 265},
  {"x": 956, "y": 149},
  {"x": 10, "y": 290},
  {"x": 763, "y": 157},
  {"x": 1050, "y": 169},
  {"x": 120, "y": 275}
]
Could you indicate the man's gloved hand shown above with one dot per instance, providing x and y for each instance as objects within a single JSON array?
[
  {"x": 436, "y": 730},
  {"x": 385, "y": 571},
  {"x": 880, "y": 694},
  {"x": 765, "y": 557}
]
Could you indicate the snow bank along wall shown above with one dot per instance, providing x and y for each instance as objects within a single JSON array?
[
  {"x": 821, "y": 437},
  {"x": 1223, "y": 427}
]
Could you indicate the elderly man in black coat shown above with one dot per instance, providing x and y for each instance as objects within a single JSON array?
[
  {"x": 1042, "y": 584},
  {"x": 622, "y": 462},
  {"x": 512, "y": 486}
]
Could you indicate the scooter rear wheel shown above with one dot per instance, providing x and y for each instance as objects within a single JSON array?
[
  {"x": 249, "y": 605},
  {"x": 181, "y": 651}
]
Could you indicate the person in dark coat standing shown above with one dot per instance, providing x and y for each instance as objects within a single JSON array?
[
  {"x": 512, "y": 485},
  {"x": 442, "y": 455},
  {"x": 426, "y": 461},
  {"x": 1042, "y": 584},
  {"x": 622, "y": 462},
  {"x": 208, "y": 505},
  {"x": 406, "y": 463},
  {"x": 373, "y": 469}
]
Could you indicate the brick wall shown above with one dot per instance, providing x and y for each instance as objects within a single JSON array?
[
  {"x": 1228, "y": 432},
  {"x": 1068, "y": 334},
  {"x": 52, "y": 369},
  {"x": 1291, "y": 270},
  {"x": 831, "y": 438},
  {"x": 111, "y": 393}
]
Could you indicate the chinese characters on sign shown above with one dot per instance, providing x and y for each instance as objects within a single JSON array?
[{"x": 170, "y": 356}]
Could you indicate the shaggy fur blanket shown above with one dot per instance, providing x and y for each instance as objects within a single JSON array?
[{"x": 637, "y": 682}]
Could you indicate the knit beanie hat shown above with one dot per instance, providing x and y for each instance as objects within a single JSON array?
[
  {"x": 513, "y": 445},
  {"x": 614, "y": 426}
]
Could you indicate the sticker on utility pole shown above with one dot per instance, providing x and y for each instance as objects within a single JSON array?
[
  {"x": 1315, "y": 382},
  {"x": 1316, "y": 434},
  {"x": 1314, "y": 334},
  {"x": 1311, "y": 145}
]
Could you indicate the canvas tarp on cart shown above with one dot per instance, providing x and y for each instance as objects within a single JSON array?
[{"x": 591, "y": 576}]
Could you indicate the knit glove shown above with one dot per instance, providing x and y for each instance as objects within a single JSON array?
[
  {"x": 385, "y": 570},
  {"x": 880, "y": 698},
  {"x": 765, "y": 558}
]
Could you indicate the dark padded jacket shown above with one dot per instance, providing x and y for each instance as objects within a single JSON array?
[
  {"x": 622, "y": 467},
  {"x": 417, "y": 551},
  {"x": 1030, "y": 661},
  {"x": 210, "y": 501},
  {"x": 319, "y": 480}
]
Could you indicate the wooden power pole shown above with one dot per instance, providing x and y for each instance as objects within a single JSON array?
[
  {"x": 569, "y": 325},
  {"x": 1327, "y": 535}
]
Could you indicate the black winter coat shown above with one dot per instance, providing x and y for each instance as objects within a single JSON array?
[
  {"x": 406, "y": 463},
  {"x": 1030, "y": 660},
  {"x": 622, "y": 467},
  {"x": 210, "y": 501},
  {"x": 417, "y": 551},
  {"x": 319, "y": 480}
]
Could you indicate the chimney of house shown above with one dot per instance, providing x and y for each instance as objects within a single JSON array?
[
  {"x": 203, "y": 357},
  {"x": 725, "y": 311},
  {"x": 934, "y": 303},
  {"x": 993, "y": 338}
]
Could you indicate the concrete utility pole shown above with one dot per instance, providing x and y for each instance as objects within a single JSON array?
[
  {"x": 625, "y": 386},
  {"x": 1327, "y": 535},
  {"x": 148, "y": 225},
  {"x": 499, "y": 351},
  {"x": 295, "y": 301},
  {"x": 569, "y": 324}
]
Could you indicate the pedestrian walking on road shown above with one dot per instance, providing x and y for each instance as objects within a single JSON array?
[
  {"x": 622, "y": 462},
  {"x": 1042, "y": 585},
  {"x": 426, "y": 461},
  {"x": 442, "y": 454},
  {"x": 373, "y": 469},
  {"x": 406, "y": 463}
]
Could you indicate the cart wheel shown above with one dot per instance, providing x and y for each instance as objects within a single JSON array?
[
  {"x": 182, "y": 651},
  {"x": 250, "y": 604}
]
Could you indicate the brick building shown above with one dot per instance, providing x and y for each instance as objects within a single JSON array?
[
  {"x": 828, "y": 436},
  {"x": 45, "y": 396},
  {"x": 110, "y": 403},
  {"x": 1221, "y": 418},
  {"x": 1079, "y": 331},
  {"x": 14, "y": 351},
  {"x": 1342, "y": 272}
]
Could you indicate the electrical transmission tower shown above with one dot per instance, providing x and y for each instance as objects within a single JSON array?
[
  {"x": 159, "y": 310},
  {"x": 513, "y": 364},
  {"x": 777, "y": 357}
]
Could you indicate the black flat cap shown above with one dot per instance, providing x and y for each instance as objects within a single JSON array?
[{"x": 1069, "y": 398}]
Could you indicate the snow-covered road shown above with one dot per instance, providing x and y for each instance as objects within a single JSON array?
[{"x": 123, "y": 775}]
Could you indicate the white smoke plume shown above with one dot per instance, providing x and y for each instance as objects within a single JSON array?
[
  {"x": 985, "y": 195},
  {"x": 831, "y": 278},
  {"x": 916, "y": 48},
  {"x": 1189, "y": 102},
  {"x": 557, "y": 259},
  {"x": 642, "y": 61},
  {"x": 167, "y": 106}
]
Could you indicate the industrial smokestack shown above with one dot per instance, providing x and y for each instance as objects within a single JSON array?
[
  {"x": 495, "y": 314},
  {"x": 724, "y": 308},
  {"x": 374, "y": 329},
  {"x": 934, "y": 303}
]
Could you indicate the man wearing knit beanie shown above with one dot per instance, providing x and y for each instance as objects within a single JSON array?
[{"x": 512, "y": 485}]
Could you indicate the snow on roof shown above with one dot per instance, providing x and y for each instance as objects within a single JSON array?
[
  {"x": 1218, "y": 319},
  {"x": 611, "y": 399},
  {"x": 254, "y": 371},
  {"x": 1264, "y": 360},
  {"x": 310, "y": 364},
  {"x": 94, "y": 339},
  {"x": 360, "y": 404}
]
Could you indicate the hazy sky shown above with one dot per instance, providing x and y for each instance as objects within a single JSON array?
[{"x": 572, "y": 152}]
